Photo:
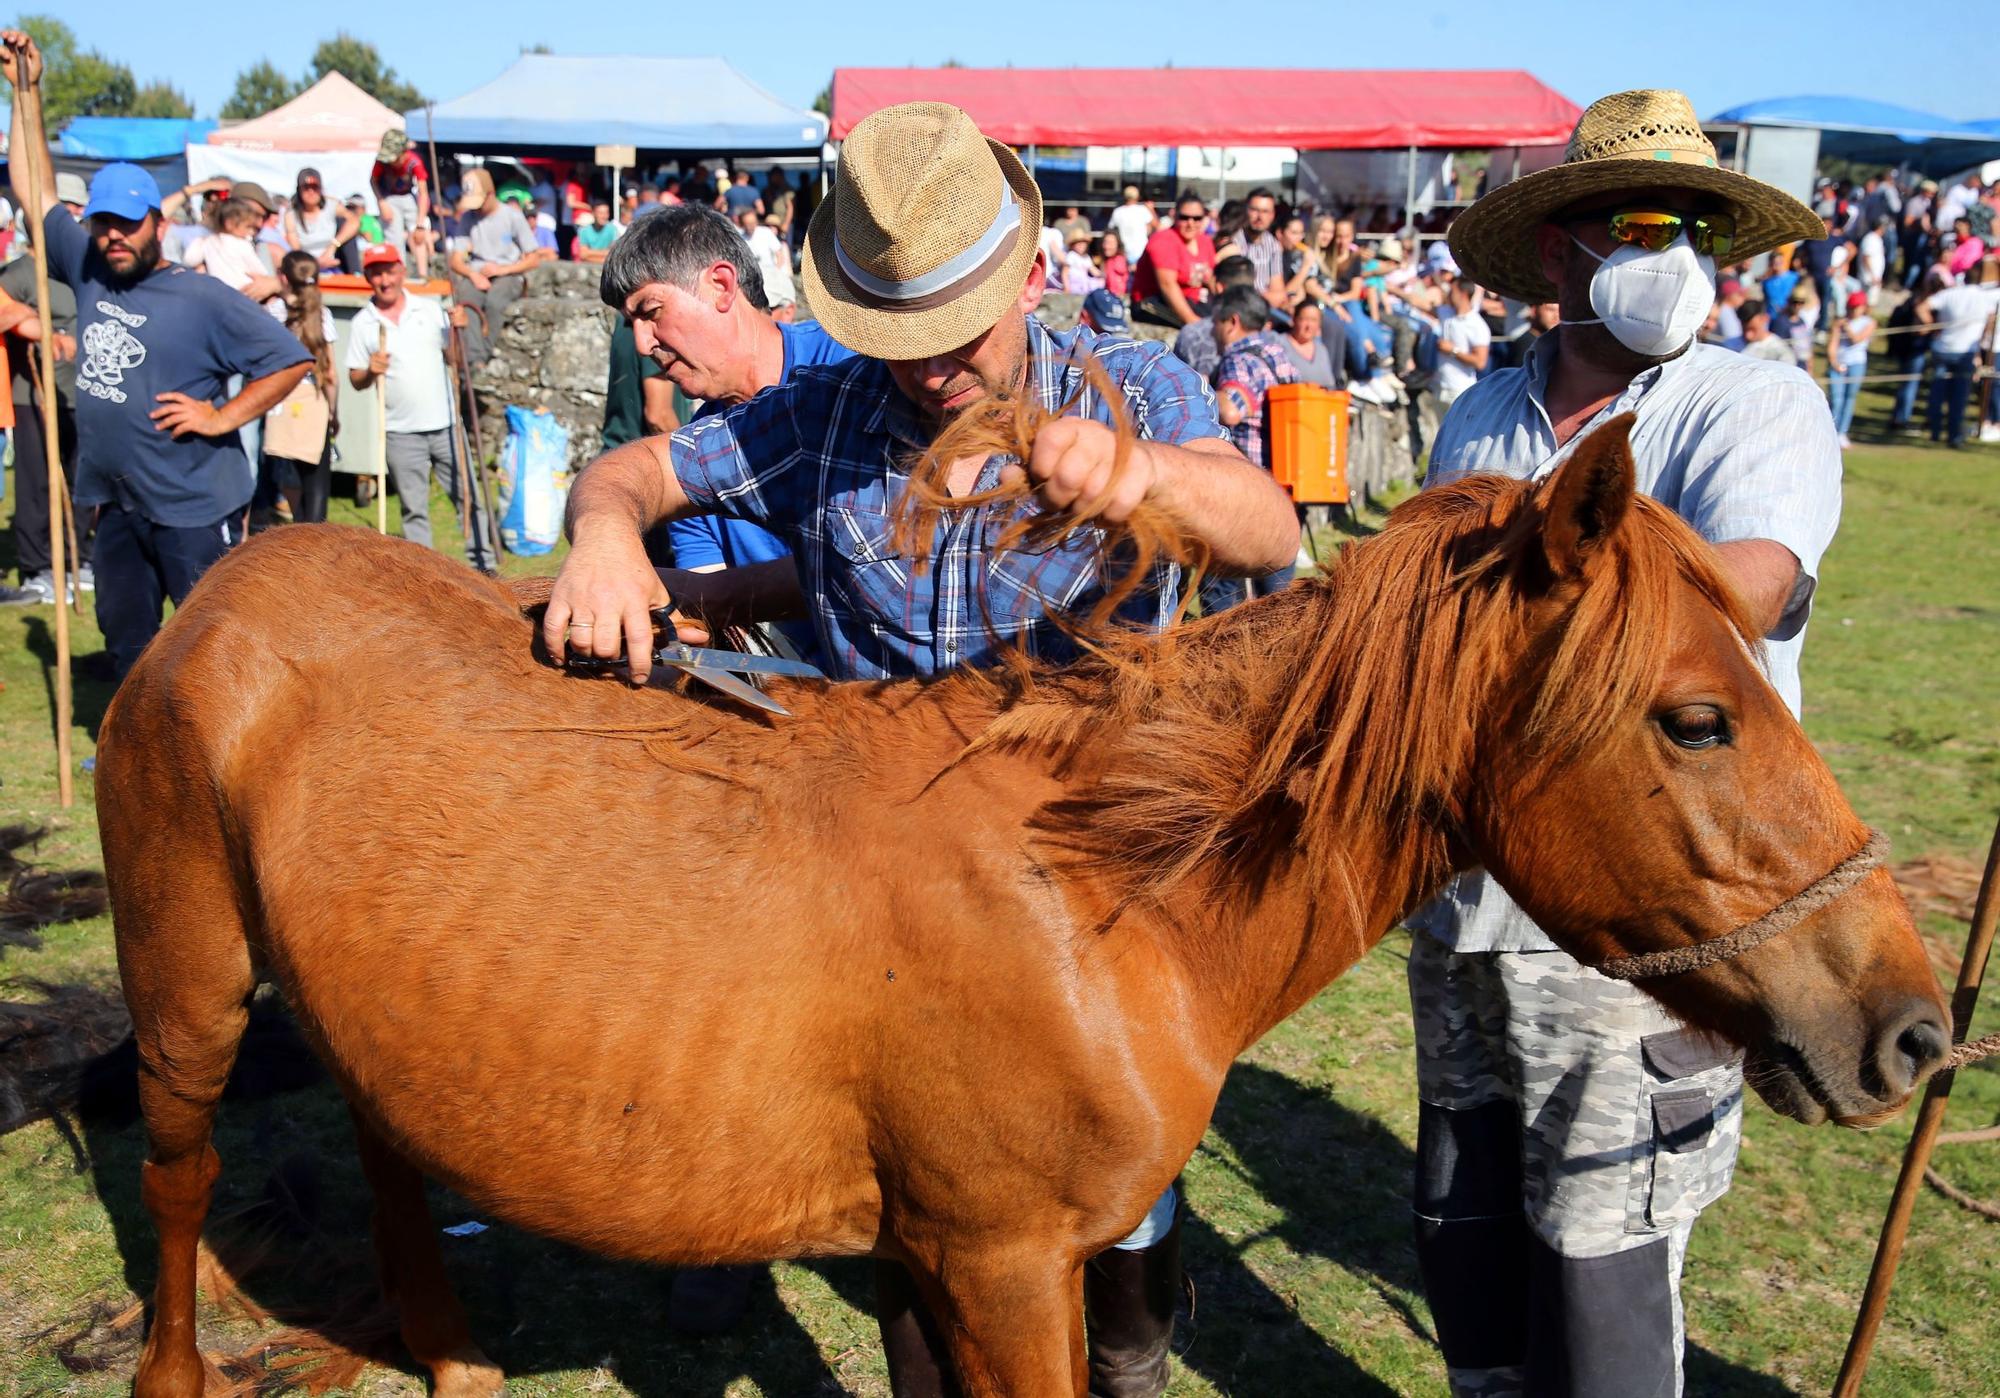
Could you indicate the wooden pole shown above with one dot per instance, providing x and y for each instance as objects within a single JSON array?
[
  {"x": 478, "y": 447},
  {"x": 34, "y": 155},
  {"x": 1917, "y": 1156},
  {"x": 465, "y": 510},
  {"x": 381, "y": 438}
]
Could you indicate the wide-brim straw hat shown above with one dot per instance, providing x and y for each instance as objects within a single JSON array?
[
  {"x": 1646, "y": 139},
  {"x": 926, "y": 238}
]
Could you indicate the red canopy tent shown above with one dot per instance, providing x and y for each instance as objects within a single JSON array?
[{"x": 1373, "y": 109}]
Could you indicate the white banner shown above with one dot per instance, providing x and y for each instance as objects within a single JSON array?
[{"x": 342, "y": 172}]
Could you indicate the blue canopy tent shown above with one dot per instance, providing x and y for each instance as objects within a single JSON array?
[
  {"x": 87, "y": 144},
  {"x": 664, "y": 106},
  {"x": 1874, "y": 133}
]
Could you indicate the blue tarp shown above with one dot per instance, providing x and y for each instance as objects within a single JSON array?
[
  {"x": 1875, "y": 133},
  {"x": 693, "y": 105},
  {"x": 130, "y": 138}
]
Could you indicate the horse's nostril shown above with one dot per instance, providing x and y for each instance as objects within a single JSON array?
[{"x": 1923, "y": 1045}]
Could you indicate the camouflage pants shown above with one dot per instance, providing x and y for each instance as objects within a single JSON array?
[{"x": 1570, "y": 1134}]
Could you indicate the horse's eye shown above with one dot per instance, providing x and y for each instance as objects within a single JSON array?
[{"x": 1697, "y": 726}]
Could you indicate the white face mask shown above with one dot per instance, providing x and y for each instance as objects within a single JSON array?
[{"x": 1651, "y": 302}]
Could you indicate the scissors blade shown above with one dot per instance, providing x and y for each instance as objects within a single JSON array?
[
  {"x": 728, "y": 684},
  {"x": 740, "y": 661}
]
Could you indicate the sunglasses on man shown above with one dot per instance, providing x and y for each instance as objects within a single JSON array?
[
  {"x": 1711, "y": 235},
  {"x": 1189, "y": 218}
]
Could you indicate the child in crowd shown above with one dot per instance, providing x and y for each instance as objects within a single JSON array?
[
  {"x": 297, "y": 455},
  {"x": 1847, "y": 360},
  {"x": 1117, "y": 272},
  {"x": 1080, "y": 276}
]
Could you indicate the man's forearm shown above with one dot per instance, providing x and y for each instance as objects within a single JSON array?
[
  {"x": 28, "y": 135},
  {"x": 739, "y": 596},
  {"x": 259, "y": 396},
  {"x": 1244, "y": 517},
  {"x": 623, "y": 489},
  {"x": 1765, "y": 574}
]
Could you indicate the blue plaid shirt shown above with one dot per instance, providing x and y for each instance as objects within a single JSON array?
[{"x": 819, "y": 461}]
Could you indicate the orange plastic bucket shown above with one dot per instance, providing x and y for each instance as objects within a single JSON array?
[{"x": 1306, "y": 426}]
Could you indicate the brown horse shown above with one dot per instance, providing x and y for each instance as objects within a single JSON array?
[{"x": 948, "y": 973}]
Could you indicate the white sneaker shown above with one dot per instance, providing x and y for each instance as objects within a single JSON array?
[
  {"x": 1844, "y": 443},
  {"x": 86, "y": 579},
  {"x": 1990, "y": 432}
]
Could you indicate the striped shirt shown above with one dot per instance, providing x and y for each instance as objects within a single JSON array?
[
  {"x": 820, "y": 461},
  {"x": 1740, "y": 448}
]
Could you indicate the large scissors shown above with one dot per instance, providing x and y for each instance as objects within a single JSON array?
[{"x": 718, "y": 669}]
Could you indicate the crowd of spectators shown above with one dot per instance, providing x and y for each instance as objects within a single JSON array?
[{"x": 1902, "y": 275}]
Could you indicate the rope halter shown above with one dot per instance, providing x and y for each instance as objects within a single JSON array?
[{"x": 1796, "y": 909}]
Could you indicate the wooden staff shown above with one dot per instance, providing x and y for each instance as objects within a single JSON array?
[
  {"x": 478, "y": 445},
  {"x": 1917, "y": 1156},
  {"x": 33, "y": 154},
  {"x": 465, "y": 510},
  {"x": 381, "y": 437}
]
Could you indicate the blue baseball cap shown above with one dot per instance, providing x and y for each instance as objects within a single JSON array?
[
  {"x": 123, "y": 190},
  {"x": 1107, "y": 312}
]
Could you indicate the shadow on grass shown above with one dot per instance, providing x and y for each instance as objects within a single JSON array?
[
  {"x": 1340, "y": 1181},
  {"x": 90, "y": 676},
  {"x": 291, "y": 1178}
]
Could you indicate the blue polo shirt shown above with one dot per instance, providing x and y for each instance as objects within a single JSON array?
[
  {"x": 706, "y": 540},
  {"x": 172, "y": 331}
]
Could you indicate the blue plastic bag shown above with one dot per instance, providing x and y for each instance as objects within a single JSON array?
[{"x": 534, "y": 480}]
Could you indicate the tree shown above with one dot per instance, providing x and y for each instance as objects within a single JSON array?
[
  {"x": 259, "y": 89},
  {"x": 823, "y": 104},
  {"x": 75, "y": 83},
  {"x": 361, "y": 63},
  {"x": 160, "y": 99}
]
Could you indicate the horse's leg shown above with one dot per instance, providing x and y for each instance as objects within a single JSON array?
[
  {"x": 187, "y": 979},
  {"x": 1014, "y": 1321},
  {"x": 413, "y": 1279}
]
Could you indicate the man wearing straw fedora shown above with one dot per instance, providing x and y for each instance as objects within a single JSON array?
[
  {"x": 1570, "y": 1132},
  {"x": 924, "y": 261}
]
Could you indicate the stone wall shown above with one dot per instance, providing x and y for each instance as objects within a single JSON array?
[{"x": 553, "y": 351}]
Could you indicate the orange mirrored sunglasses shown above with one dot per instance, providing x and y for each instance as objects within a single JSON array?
[{"x": 1712, "y": 235}]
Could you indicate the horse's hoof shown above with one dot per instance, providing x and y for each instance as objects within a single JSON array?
[{"x": 468, "y": 1373}]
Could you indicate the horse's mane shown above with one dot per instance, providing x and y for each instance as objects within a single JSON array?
[{"x": 1352, "y": 701}]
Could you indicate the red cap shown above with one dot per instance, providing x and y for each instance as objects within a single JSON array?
[
  {"x": 380, "y": 254},
  {"x": 1857, "y": 300}
]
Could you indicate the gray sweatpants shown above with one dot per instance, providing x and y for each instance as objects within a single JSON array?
[
  {"x": 414, "y": 459},
  {"x": 1569, "y": 1134}
]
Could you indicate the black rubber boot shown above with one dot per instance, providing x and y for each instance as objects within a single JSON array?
[
  {"x": 709, "y": 1300},
  {"x": 1128, "y": 1310},
  {"x": 919, "y": 1366}
]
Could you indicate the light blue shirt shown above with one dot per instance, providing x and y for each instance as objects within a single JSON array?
[{"x": 1740, "y": 448}]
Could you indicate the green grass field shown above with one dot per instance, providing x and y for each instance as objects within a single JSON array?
[{"x": 1299, "y": 1247}]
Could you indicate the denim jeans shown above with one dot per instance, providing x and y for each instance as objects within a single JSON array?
[
  {"x": 1906, "y": 391},
  {"x": 141, "y": 566},
  {"x": 1843, "y": 386},
  {"x": 1951, "y": 390}
]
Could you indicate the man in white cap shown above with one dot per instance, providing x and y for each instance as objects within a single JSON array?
[
  {"x": 1570, "y": 1131},
  {"x": 924, "y": 261}
]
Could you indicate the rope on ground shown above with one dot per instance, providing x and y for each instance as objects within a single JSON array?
[{"x": 1962, "y": 1055}]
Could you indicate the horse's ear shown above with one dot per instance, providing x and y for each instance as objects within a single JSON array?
[{"x": 1589, "y": 497}]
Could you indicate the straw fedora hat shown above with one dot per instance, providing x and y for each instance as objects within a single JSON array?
[
  {"x": 1629, "y": 140},
  {"x": 926, "y": 238}
]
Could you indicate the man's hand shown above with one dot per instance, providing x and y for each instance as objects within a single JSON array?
[
  {"x": 65, "y": 347},
  {"x": 378, "y": 364},
  {"x": 457, "y": 316},
  {"x": 603, "y": 600},
  {"x": 18, "y": 53},
  {"x": 188, "y": 417},
  {"x": 1071, "y": 469},
  {"x": 480, "y": 280}
]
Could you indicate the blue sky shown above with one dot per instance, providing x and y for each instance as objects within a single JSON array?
[{"x": 1719, "y": 54}]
